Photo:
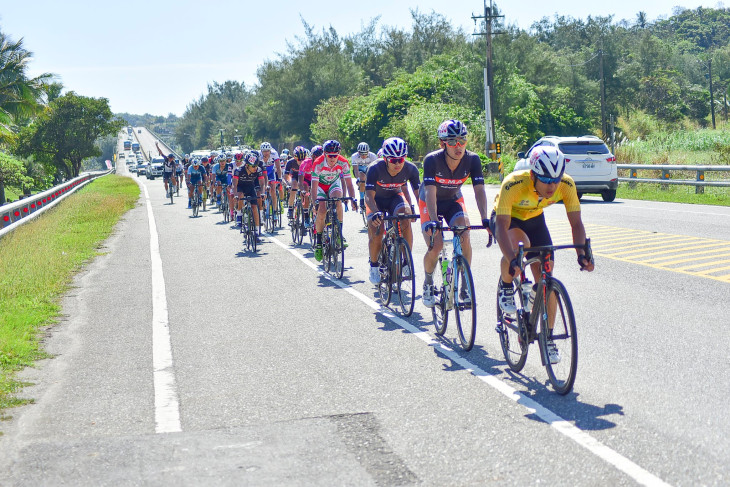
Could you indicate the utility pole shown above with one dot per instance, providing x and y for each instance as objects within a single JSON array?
[
  {"x": 489, "y": 144},
  {"x": 712, "y": 96},
  {"x": 603, "y": 93}
]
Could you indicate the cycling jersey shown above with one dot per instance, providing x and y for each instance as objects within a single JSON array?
[
  {"x": 292, "y": 167},
  {"x": 385, "y": 185},
  {"x": 195, "y": 175},
  {"x": 325, "y": 174},
  {"x": 448, "y": 183},
  {"x": 518, "y": 197},
  {"x": 361, "y": 164},
  {"x": 246, "y": 178},
  {"x": 271, "y": 164},
  {"x": 169, "y": 166}
]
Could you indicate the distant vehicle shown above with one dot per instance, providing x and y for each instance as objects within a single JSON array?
[
  {"x": 141, "y": 169},
  {"x": 129, "y": 129},
  {"x": 587, "y": 160},
  {"x": 127, "y": 145},
  {"x": 121, "y": 156},
  {"x": 139, "y": 131},
  {"x": 135, "y": 146},
  {"x": 154, "y": 168}
]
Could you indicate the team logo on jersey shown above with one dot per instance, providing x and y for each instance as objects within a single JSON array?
[
  {"x": 390, "y": 185},
  {"x": 450, "y": 182},
  {"x": 513, "y": 183}
]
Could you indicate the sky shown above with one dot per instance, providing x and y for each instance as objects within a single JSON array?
[{"x": 157, "y": 56}]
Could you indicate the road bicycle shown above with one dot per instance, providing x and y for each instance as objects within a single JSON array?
[
  {"x": 333, "y": 246},
  {"x": 197, "y": 200},
  {"x": 455, "y": 289},
  {"x": 396, "y": 265},
  {"x": 223, "y": 207},
  {"x": 171, "y": 188},
  {"x": 311, "y": 230},
  {"x": 297, "y": 221},
  {"x": 546, "y": 316},
  {"x": 268, "y": 211},
  {"x": 248, "y": 225}
]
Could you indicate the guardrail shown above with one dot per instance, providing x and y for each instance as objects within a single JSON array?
[
  {"x": 699, "y": 182},
  {"x": 15, "y": 214}
]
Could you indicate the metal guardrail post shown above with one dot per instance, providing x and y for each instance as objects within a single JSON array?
[
  {"x": 665, "y": 175},
  {"x": 700, "y": 178},
  {"x": 633, "y": 175}
]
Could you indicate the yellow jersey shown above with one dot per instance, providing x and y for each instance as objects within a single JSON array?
[{"x": 518, "y": 197}]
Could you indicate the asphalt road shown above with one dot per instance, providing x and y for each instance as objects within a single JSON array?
[{"x": 278, "y": 375}]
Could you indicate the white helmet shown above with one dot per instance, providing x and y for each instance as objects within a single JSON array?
[
  {"x": 265, "y": 146},
  {"x": 395, "y": 147},
  {"x": 547, "y": 161},
  {"x": 363, "y": 147}
]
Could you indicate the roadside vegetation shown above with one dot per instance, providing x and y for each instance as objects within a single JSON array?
[{"x": 37, "y": 264}]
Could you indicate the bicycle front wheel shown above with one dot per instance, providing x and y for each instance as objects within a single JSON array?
[
  {"x": 464, "y": 303},
  {"x": 562, "y": 367},
  {"x": 171, "y": 191},
  {"x": 514, "y": 347},
  {"x": 195, "y": 206},
  {"x": 294, "y": 225},
  {"x": 299, "y": 222},
  {"x": 440, "y": 310},
  {"x": 405, "y": 282},
  {"x": 384, "y": 266},
  {"x": 338, "y": 251}
]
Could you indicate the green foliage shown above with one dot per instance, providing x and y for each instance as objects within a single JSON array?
[
  {"x": 66, "y": 134},
  {"x": 12, "y": 173}
]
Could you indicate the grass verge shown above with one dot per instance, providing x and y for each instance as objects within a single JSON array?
[
  {"x": 675, "y": 194},
  {"x": 38, "y": 262}
]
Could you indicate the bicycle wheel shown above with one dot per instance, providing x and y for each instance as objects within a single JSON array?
[
  {"x": 405, "y": 282},
  {"x": 252, "y": 238},
  {"x": 299, "y": 221},
  {"x": 514, "y": 347},
  {"x": 563, "y": 335},
  {"x": 384, "y": 265},
  {"x": 326, "y": 247},
  {"x": 440, "y": 310},
  {"x": 294, "y": 225},
  {"x": 203, "y": 199},
  {"x": 195, "y": 205},
  {"x": 170, "y": 191},
  {"x": 464, "y": 303},
  {"x": 267, "y": 213},
  {"x": 338, "y": 250}
]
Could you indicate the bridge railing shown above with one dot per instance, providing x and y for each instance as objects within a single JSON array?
[
  {"x": 13, "y": 215},
  {"x": 666, "y": 169}
]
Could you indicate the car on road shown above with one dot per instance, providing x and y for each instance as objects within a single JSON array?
[
  {"x": 587, "y": 160},
  {"x": 141, "y": 169},
  {"x": 154, "y": 168}
]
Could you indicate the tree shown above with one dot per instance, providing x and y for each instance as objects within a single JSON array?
[
  {"x": 12, "y": 173},
  {"x": 66, "y": 134},
  {"x": 20, "y": 96}
]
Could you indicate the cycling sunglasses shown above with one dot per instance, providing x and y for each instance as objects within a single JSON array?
[
  {"x": 454, "y": 141},
  {"x": 396, "y": 160},
  {"x": 333, "y": 154},
  {"x": 547, "y": 180}
]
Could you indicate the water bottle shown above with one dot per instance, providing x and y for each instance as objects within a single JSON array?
[{"x": 528, "y": 294}]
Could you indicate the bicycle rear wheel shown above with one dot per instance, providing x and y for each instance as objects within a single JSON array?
[
  {"x": 464, "y": 303},
  {"x": 514, "y": 347},
  {"x": 384, "y": 267},
  {"x": 268, "y": 217},
  {"x": 294, "y": 225},
  {"x": 170, "y": 190},
  {"x": 405, "y": 282},
  {"x": 299, "y": 222},
  {"x": 440, "y": 310},
  {"x": 563, "y": 335}
]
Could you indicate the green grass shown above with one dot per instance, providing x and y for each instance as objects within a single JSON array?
[
  {"x": 38, "y": 262},
  {"x": 674, "y": 193}
]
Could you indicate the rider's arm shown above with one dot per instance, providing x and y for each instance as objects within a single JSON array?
[{"x": 481, "y": 196}]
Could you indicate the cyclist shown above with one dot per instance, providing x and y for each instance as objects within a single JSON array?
[
  {"x": 272, "y": 172},
  {"x": 444, "y": 171},
  {"x": 291, "y": 174},
  {"x": 197, "y": 176},
  {"x": 168, "y": 170},
  {"x": 180, "y": 168},
  {"x": 246, "y": 183},
  {"x": 219, "y": 177},
  {"x": 305, "y": 180},
  {"x": 518, "y": 216},
  {"x": 386, "y": 178},
  {"x": 360, "y": 162},
  {"x": 329, "y": 170}
]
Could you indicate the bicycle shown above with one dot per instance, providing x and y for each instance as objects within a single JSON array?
[
  {"x": 196, "y": 200},
  {"x": 268, "y": 213},
  {"x": 170, "y": 191},
  {"x": 333, "y": 248},
  {"x": 223, "y": 207},
  {"x": 297, "y": 221},
  {"x": 396, "y": 265},
  {"x": 549, "y": 319},
  {"x": 204, "y": 196},
  {"x": 248, "y": 225},
  {"x": 455, "y": 290}
]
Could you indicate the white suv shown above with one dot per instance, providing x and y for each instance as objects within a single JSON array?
[{"x": 587, "y": 160}]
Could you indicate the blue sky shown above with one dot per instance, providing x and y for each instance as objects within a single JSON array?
[{"x": 157, "y": 56}]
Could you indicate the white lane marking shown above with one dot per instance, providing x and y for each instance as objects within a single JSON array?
[
  {"x": 167, "y": 405},
  {"x": 563, "y": 426}
]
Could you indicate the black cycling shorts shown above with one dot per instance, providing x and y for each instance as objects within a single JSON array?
[{"x": 536, "y": 230}]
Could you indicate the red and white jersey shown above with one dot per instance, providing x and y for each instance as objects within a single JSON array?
[{"x": 326, "y": 174}]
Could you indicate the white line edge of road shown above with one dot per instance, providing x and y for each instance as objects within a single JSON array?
[
  {"x": 561, "y": 425},
  {"x": 167, "y": 404}
]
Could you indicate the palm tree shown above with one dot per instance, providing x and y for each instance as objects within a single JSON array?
[{"x": 20, "y": 97}]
